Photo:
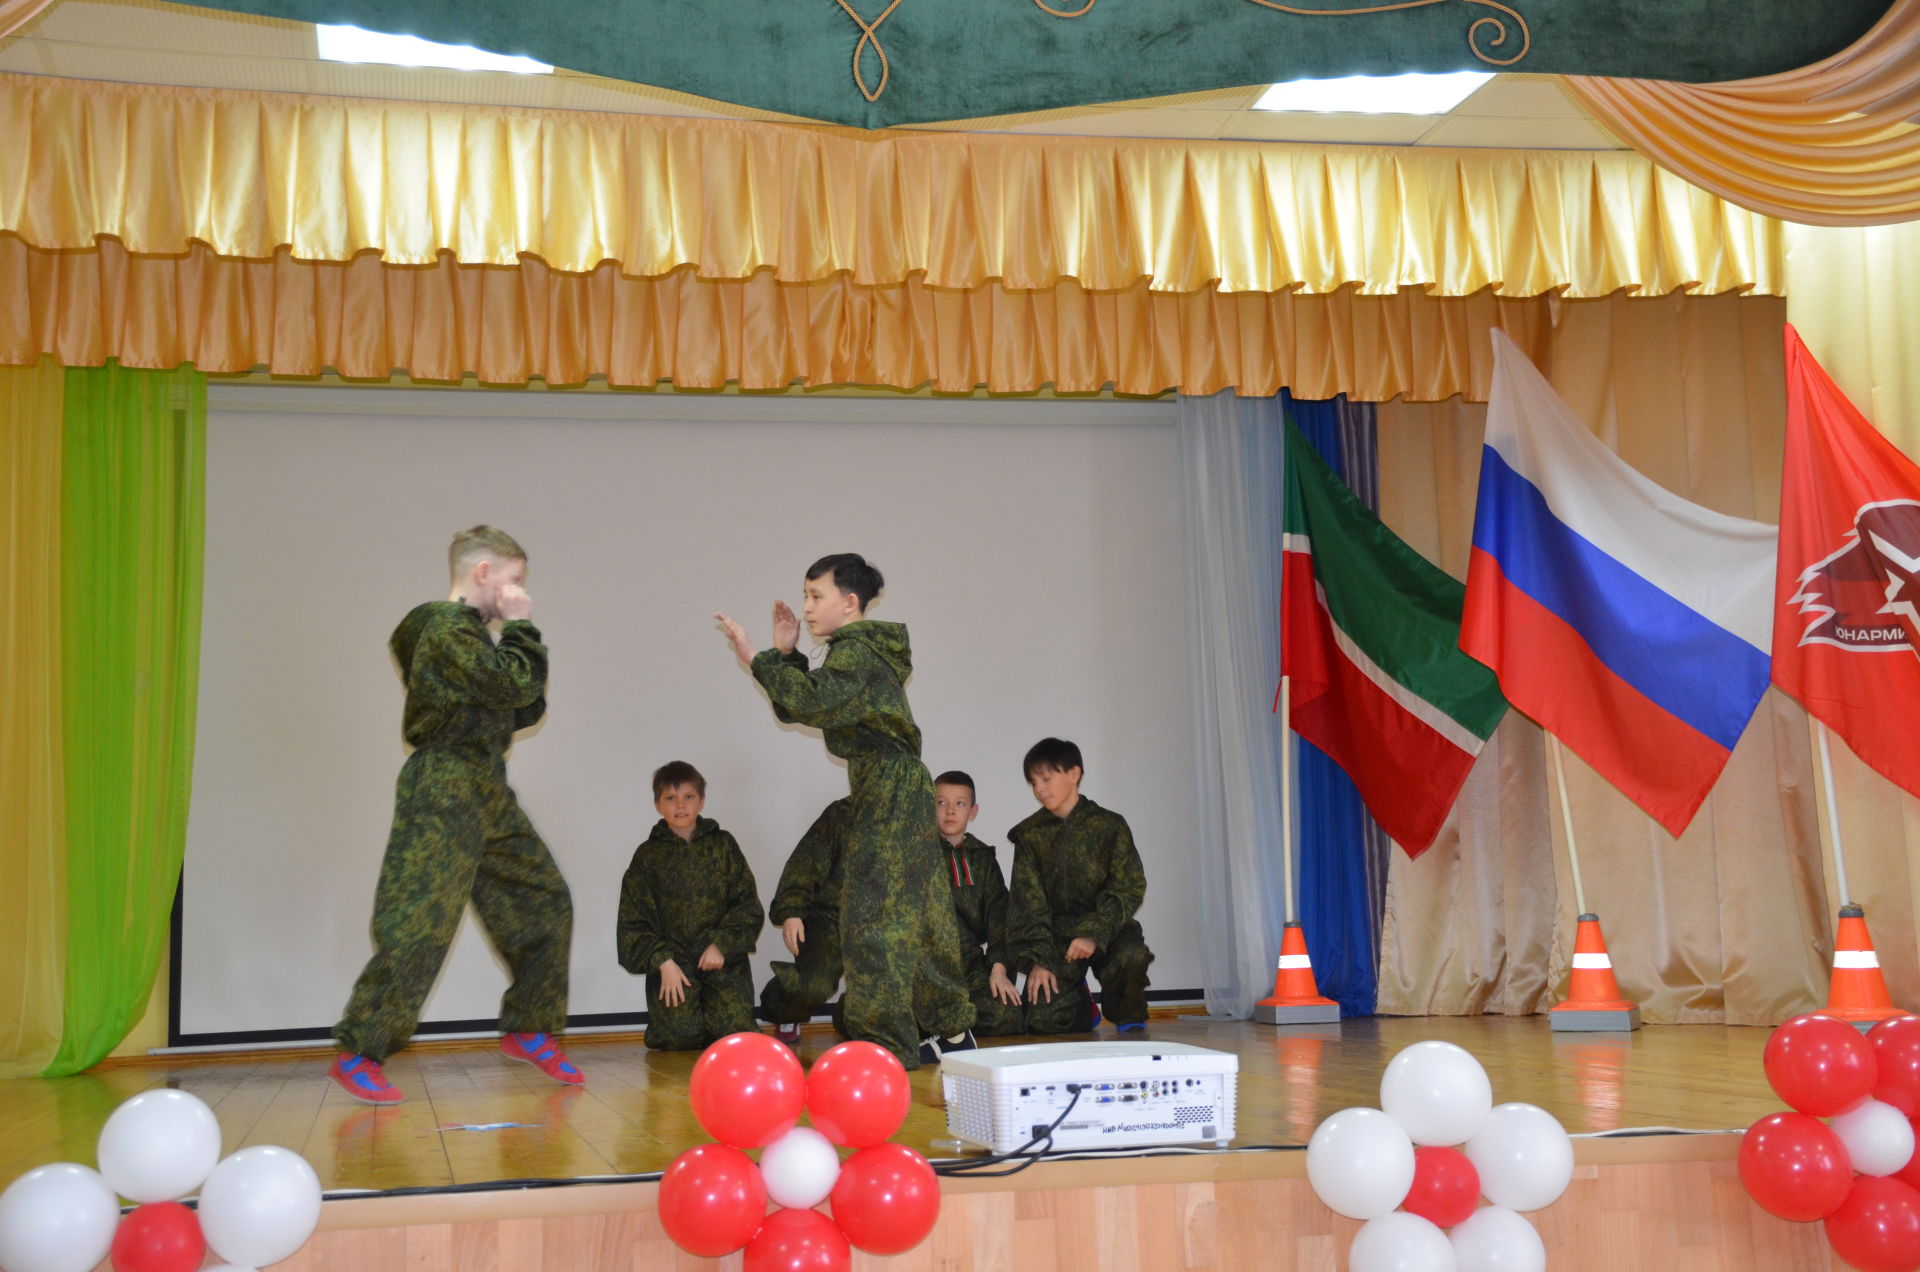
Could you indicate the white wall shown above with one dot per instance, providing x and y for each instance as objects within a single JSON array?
[{"x": 1030, "y": 547}]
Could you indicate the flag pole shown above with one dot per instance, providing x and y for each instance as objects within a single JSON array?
[
  {"x": 1833, "y": 815},
  {"x": 1286, "y": 794},
  {"x": 1566, "y": 820}
]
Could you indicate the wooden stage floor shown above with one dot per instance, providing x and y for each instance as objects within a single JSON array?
[{"x": 632, "y": 1117}]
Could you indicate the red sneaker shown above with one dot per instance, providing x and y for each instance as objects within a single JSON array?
[
  {"x": 543, "y": 1052},
  {"x": 362, "y": 1079}
]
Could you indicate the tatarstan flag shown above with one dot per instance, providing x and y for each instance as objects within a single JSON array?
[
  {"x": 1369, "y": 638},
  {"x": 1846, "y": 619}
]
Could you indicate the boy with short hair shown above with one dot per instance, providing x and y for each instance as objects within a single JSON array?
[
  {"x": 458, "y": 832},
  {"x": 898, "y": 941},
  {"x": 979, "y": 907},
  {"x": 689, "y": 916},
  {"x": 1077, "y": 884},
  {"x": 806, "y": 909}
]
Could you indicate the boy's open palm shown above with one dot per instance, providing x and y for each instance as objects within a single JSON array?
[
  {"x": 738, "y": 635},
  {"x": 786, "y": 628},
  {"x": 1041, "y": 981},
  {"x": 673, "y": 984}
]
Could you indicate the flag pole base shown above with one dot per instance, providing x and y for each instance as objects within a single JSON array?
[
  {"x": 1590, "y": 1020},
  {"x": 1322, "y": 1013}
]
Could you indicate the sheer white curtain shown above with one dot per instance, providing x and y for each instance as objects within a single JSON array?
[{"x": 1230, "y": 468}]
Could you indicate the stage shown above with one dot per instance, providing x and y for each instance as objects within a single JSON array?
[{"x": 1670, "y": 1199}]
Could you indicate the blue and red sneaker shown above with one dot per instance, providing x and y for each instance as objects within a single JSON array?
[
  {"x": 542, "y": 1051},
  {"x": 362, "y": 1079},
  {"x": 1095, "y": 1023}
]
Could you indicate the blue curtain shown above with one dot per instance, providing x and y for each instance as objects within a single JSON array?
[{"x": 1342, "y": 854}]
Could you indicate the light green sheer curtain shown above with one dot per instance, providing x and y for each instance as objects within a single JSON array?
[{"x": 131, "y": 548}]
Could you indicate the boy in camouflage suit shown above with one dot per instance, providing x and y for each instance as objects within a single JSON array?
[
  {"x": 898, "y": 941},
  {"x": 806, "y": 909},
  {"x": 458, "y": 833},
  {"x": 1077, "y": 883},
  {"x": 689, "y": 916},
  {"x": 980, "y": 907}
]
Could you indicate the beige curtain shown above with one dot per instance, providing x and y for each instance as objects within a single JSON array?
[
  {"x": 15, "y": 14},
  {"x": 1728, "y": 923},
  {"x": 1834, "y": 143}
]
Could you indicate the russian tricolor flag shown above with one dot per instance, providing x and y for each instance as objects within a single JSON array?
[{"x": 1631, "y": 624}]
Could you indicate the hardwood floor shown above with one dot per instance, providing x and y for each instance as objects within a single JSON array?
[{"x": 633, "y": 1116}]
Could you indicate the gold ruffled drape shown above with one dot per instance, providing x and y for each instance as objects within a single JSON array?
[
  {"x": 15, "y": 14},
  {"x": 248, "y": 173},
  {"x": 1727, "y": 923},
  {"x": 1834, "y": 143},
  {"x": 508, "y": 325}
]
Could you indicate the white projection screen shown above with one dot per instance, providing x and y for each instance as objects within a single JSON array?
[{"x": 1031, "y": 547}]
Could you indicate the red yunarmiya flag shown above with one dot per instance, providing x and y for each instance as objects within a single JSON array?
[{"x": 1846, "y": 627}]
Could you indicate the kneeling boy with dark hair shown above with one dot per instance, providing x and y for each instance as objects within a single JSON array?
[{"x": 1077, "y": 884}]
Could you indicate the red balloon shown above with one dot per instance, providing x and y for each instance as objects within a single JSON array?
[
  {"x": 858, "y": 1094},
  {"x": 1446, "y": 1186},
  {"x": 712, "y": 1200},
  {"x": 798, "y": 1241},
  {"x": 747, "y": 1089},
  {"x": 1819, "y": 1065},
  {"x": 1910, "y": 1173},
  {"x": 1896, "y": 1057},
  {"x": 161, "y": 1236},
  {"x": 1877, "y": 1228},
  {"x": 887, "y": 1199},
  {"x": 1795, "y": 1167}
]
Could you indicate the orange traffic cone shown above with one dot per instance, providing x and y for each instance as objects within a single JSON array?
[
  {"x": 1857, "y": 993},
  {"x": 1296, "y": 998},
  {"x": 1593, "y": 1001}
]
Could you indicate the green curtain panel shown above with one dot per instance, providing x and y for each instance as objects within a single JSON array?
[
  {"x": 923, "y": 60},
  {"x": 131, "y": 554}
]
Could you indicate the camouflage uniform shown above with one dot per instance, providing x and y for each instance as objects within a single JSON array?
[
  {"x": 980, "y": 907},
  {"x": 898, "y": 940},
  {"x": 458, "y": 834},
  {"x": 678, "y": 897},
  {"x": 809, "y": 891},
  {"x": 1080, "y": 876}
]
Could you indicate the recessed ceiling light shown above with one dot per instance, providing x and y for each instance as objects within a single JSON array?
[
  {"x": 1375, "y": 94},
  {"x": 351, "y": 44}
]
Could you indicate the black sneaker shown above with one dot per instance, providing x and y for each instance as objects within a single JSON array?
[
  {"x": 928, "y": 1054},
  {"x": 962, "y": 1041}
]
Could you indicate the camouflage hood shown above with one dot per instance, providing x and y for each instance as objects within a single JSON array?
[
  {"x": 406, "y": 637},
  {"x": 702, "y": 827},
  {"x": 888, "y": 641}
]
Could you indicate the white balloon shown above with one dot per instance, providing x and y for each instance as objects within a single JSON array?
[
  {"x": 1360, "y": 1162},
  {"x": 1400, "y": 1242},
  {"x": 1877, "y": 1136},
  {"x": 260, "y": 1205},
  {"x": 59, "y": 1218},
  {"x": 1495, "y": 1239},
  {"x": 159, "y": 1146},
  {"x": 1438, "y": 1092},
  {"x": 800, "y": 1168},
  {"x": 1524, "y": 1157}
]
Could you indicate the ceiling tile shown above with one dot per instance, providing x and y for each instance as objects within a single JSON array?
[
  {"x": 1332, "y": 129},
  {"x": 1520, "y": 134}
]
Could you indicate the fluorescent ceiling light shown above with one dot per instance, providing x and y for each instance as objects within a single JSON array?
[
  {"x": 1375, "y": 94},
  {"x": 351, "y": 44}
]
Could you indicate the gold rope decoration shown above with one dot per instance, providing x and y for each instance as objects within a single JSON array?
[
  {"x": 1499, "y": 26},
  {"x": 868, "y": 35}
]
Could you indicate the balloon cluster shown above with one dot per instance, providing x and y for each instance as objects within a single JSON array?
[
  {"x": 1857, "y": 1171},
  {"x": 256, "y": 1207},
  {"x": 748, "y": 1091},
  {"x": 1420, "y": 1163}
]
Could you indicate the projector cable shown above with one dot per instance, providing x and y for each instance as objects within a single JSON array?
[{"x": 1027, "y": 1154}]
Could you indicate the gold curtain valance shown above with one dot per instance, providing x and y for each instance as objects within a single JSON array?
[
  {"x": 249, "y": 173},
  {"x": 510, "y": 324},
  {"x": 1835, "y": 143}
]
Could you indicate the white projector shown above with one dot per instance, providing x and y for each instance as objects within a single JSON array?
[{"x": 1131, "y": 1094}]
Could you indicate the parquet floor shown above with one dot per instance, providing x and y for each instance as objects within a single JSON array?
[{"x": 633, "y": 1117}]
